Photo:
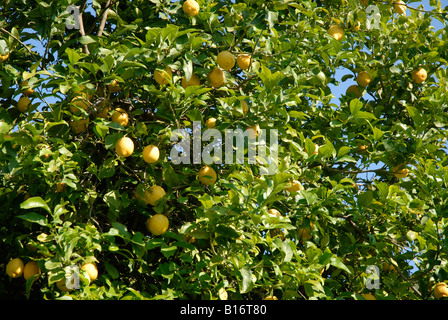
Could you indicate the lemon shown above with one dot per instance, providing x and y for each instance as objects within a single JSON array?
[
  {"x": 363, "y": 79},
  {"x": 79, "y": 102},
  {"x": 114, "y": 87},
  {"x": 368, "y": 296},
  {"x": 216, "y": 77},
  {"x": 419, "y": 75},
  {"x": 400, "y": 7},
  {"x": 91, "y": 270},
  {"x": 207, "y": 175},
  {"x": 243, "y": 61},
  {"x": 194, "y": 81},
  {"x": 124, "y": 147},
  {"x": 79, "y": 125},
  {"x": 157, "y": 224},
  {"x": 388, "y": 267},
  {"x": 336, "y": 32},
  {"x": 440, "y": 290},
  {"x": 245, "y": 107},
  {"x": 31, "y": 269},
  {"x": 295, "y": 186},
  {"x": 275, "y": 212},
  {"x": 120, "y": 116},
  {"x": 191, "y": 7},
  {"x": 14, "y": 268},
  {"x": 4, "y": 57},
  {"x": 362, "y": 148},
  {"x": 104, "y": 112},
  {"x": 270, "y": 298},
  {"x": 163, "y": 77},
  {"x": 60, "y": 187},
  {"x": 225, "y": 60},
  {"x": 400, "y": 172},
  {"x": 253, "y": 131},
  {"x": 28, "y": 91},
  {"x": 154, "y": 194},
  {"x": 151, "y": 154},
  {"x": 210, "y": 123},
  {"x": 61, "y": 285},
  {"x": 354, "y": 90},
  {"x": 23, "y": 104}
]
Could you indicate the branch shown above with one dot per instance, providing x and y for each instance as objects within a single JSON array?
[
  {"x": 103, "y": 20},
  {"x": 81, "y": 29}
]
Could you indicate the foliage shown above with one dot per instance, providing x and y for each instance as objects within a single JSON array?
[{"x": 221, "y": 236}]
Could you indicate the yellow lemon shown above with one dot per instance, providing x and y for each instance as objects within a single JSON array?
[
  {"x": 151, "y": 154},
  {"x": 354, "y": 90},
  {"x": 295, "y": 186},
  {"x": 245, "y": 107},
  {"x": 419, "y": 75},
  {"x": 216, "y": 77},
  {"x": 163, "y": 77},
  {"x": 61, "y": 285},
  {"x": 79, "y": 125},
  {"x": 270, "y": 298},
  {"x": 120, "y": 116},
  {"x": 440, "y": 290},
  {"x": 274, "y": 212},
  {"x": 157, "y": 224},
  {"x": 28, "y": 91},
  {"x": 400, "y": 7},
  {"x": 191, "y": 7},
  {"x": 124, "y": 147},
  {"x": 243, "y": 61},
  {"x": 225, "y": 60},
  {"x": 114, "y": 87},
  {"x": 91, "y": 270},
  {"x": 4, "y": 57},
  {"x": 104, "y": 112},
  {"x": 31, "y": 269},
  {"x": 23, "y": 104},
  {"x": 363, "y": 79},
  {"x": 154, "y": 194},
  {"x": 207, "y": 175},
  {"x": 400, "y": 172},
  {"x": 253, "y": 131},
  {"x": 194, "y": 81},
  {"x": 362, "y": 148},
  {"x": 368, "y": 296},
  {"x": 79, "y": 102},
  {"x": 14, "y": 268},
  {"x": 60, "y": 187},
  {"x": 210, "y": 123},
  {"x": 336, "y": 32}
]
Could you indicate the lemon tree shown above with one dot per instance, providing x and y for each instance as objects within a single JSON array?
[{"x": 92, "y": 102}]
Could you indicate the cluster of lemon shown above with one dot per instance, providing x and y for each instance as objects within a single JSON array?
[
  {"x": 16, "y": 268},
  {"x": 363, "y": 78}
]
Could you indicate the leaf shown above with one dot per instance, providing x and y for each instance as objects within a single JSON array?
[
  {"x": 168, "y": 251},
  {"x": 35, "y": 202},
  {"x": 34, "y": 218},
  {"x": 86, "y": 40},
  {"x": 246, "y": 283},
  {"x": 336, "y": 262}
]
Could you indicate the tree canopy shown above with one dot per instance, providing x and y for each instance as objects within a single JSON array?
[{"x": 361, "y": 177}]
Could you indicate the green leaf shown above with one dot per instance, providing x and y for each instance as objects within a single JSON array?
[
  {"x": 246, "y": 284},
  {"x": 86, "y": 40},
  {"x": 34, "y": 218},
  {"x": 168, "y": 251},
  {"x": 35, "y": 202}
]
